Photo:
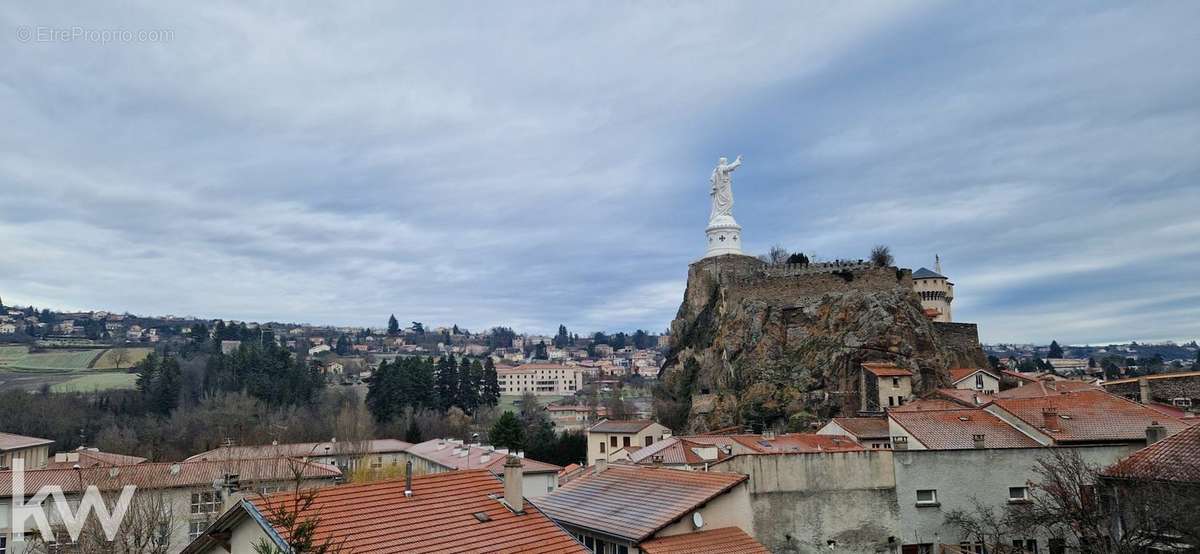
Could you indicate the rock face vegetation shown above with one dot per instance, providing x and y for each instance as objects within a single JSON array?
[{"x": 779, "y": 346}]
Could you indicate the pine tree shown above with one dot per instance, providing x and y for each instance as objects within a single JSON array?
[
  {"x": 393, "y": 326},
  {"x": 507, "y": 433},
  {"x": 413, "y": 433},
  {"x": 469, "y": 377},
  {"x": 489, "y": 394},
  {"x": 1056, "y": 351},
  {"x": 562, "y": 339},
  {"x": 147, "y": 374},
  {"x": 168, "y": 386},
  {"x": 447, "y": 383}
]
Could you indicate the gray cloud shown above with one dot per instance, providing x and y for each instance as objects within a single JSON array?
[{"x": 458, "y": 163}]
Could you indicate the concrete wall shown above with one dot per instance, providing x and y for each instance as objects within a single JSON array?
[
  {"x": 1162, "y": 389},
  {"x": 960, "y": 475},
  {"x": 802, "y": 501}
]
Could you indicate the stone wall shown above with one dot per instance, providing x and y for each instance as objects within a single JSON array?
[
  {"x": 1163, "y": 388},
  {"x": 963, "y": 340},
  {"x": 801, "y": 501}
]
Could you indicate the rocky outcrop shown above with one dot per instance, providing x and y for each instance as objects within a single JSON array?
[{"x": 754, "y": 346}]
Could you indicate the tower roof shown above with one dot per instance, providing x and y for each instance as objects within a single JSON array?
[{"x": 925, "y": 273}]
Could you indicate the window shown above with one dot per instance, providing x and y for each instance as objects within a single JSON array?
[
  {"x": 208, "y": 502},
  {"x": 601, "y": 447},
  {"x": 196, "y": 528},
  {"x": 613, "y": 441},
  {"x": 3, "y": 545},
  {"x": 1018, "y": 494},
  {"x": 891, "y": 401},
  {"x": 927, "y": 497},
  {"x": 649, "y": 440},
  {"x": 979, "y": 381},
  {"x": 1027, "y": 545},
  {"x": 627, "y": 439},
  {"x": 895, "y": 382}
]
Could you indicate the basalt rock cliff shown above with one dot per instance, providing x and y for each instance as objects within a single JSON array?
[{"x": 770, "y": 346}]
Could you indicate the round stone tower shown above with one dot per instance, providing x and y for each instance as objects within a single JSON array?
[{"x": 935, "y": 290}]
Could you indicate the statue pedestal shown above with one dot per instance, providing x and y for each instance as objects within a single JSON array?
[{"x": 724, "y": 237}]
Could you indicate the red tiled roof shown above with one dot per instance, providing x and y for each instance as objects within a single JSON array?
[
  {"x": 169, "y": 475},
  {"x": 1175, "y": 458},
  {"x": 925, "y": 404},
  {"x": 454, "y": 455},
  {"x": 959, "y": 373},
  {"x": 798, "y": 442},
  {"x": 1018, "y": 375},
  {"x": 1046, "y": 388},
  {"x": 675, "y": 451},
  {"x": 443, "y": 515},
  {"x": 955, "y": 429},
  {"x": 634, "y": 502},
  {"x": 9, "y": 441},
  {"x": 303, "y": 449},
  {"x": 620, "y": 426},
  {"x": 725, "y": 540},
  {"x": 1089, "y": 415},
  {"x": 864, "y": 427},
  {"x": 884, "y": 369}
]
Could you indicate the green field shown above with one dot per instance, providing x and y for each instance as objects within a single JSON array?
[
  {"x": 65, "y": 360},
  {"x": 97, "y": 381},
  {"x": 8, "y": 353},
  {"x": 127, "y": 357}
]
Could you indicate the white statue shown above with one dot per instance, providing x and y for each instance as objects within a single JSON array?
[{"x": 722, "y": 189}]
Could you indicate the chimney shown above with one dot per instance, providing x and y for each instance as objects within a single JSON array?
[
  {"x": 514, "y": 485},
  {"x": 1155, "y": 433},
  {"x": 656, "y": 460},
  {"x": 1143, "y": 390},
  {"x": 1050, "y": 419},
  {"x": 408, "y": 480},
  {"x": 978, "y": 440}
]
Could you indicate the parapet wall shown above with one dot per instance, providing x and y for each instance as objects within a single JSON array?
[{"x": 748, "y": 276}]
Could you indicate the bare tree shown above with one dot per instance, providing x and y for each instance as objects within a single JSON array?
[
  {"x": 288, "y": 513},
  {"x": 881, "y": 256},
  {"x": 776, "y": 255}
]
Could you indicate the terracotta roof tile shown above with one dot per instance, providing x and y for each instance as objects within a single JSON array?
[
  {"x": 679, "y": 450},
  {"x": 965, "y": 397},
  {"x": 959, "y": 373},
  {"x": 439, "y": 517},
  {"x": 620, "y": 426},
  {"x": 725, "y": 540},
  {"x": 864, "y": 427},
  {"x": 955, "y": 429},
  {"x": 604, "y": 501},
  {"x": 884, "y": 369},
  {"x": 1175, "y": 458},
  {"x": 453, "y": 454},
  {"x": 799, "y": 442},
  {"x": 1089, "y": 415},
  {"x": 1046, "y": 388},
  {"x": 924, "y": 405}
]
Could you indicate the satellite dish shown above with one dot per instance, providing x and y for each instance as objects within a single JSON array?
[{"x": 697, "y": 520}]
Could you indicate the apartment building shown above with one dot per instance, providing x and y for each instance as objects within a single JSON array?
[{"x": 542, "y": 379}]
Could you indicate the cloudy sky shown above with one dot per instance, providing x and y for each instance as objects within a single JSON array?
[{"x": 528, "y": 165}]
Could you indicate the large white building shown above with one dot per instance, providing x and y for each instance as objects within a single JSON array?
[{"x": 540, "y": 379}]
